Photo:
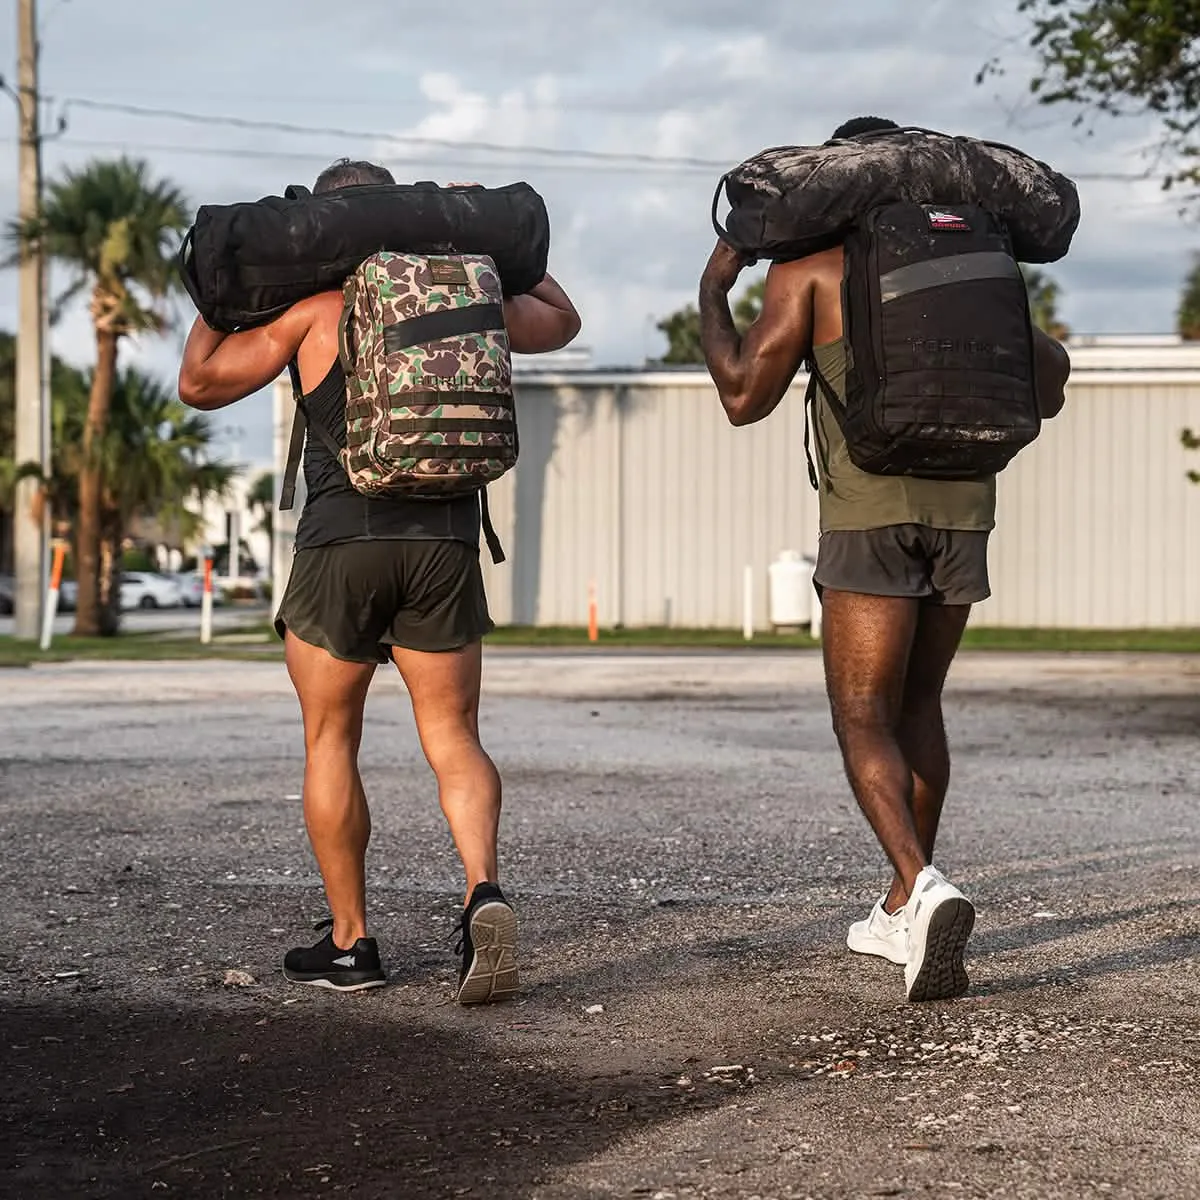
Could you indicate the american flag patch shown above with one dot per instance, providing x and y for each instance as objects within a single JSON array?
[{"x": 939, "y": 218}]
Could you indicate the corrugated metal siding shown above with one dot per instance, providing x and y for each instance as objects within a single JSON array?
[
  {"x": 644, "y": 488},
  {"x": 648, "y": 492},
  {"x": 639, "y": 484},
  {"x": 1097, "y": 525}
]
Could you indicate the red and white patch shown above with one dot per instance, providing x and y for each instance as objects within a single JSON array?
[{"x": 943, "y": 219}]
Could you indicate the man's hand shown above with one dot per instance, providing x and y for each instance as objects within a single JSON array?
[{"x": 725, "y": 264}]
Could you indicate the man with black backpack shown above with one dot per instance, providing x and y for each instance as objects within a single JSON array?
[
  {"x": 404, "y": 381},
  {"x": 926, "y": 377}
]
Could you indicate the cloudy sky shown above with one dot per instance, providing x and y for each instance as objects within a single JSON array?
[{"x": 659, "y": 80}]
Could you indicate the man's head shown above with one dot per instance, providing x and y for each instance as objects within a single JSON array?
[
  {"x": 857, "y": 125},
  {"x": 347, "y": 173}
]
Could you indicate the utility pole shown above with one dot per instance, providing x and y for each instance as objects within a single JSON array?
[{"x": 29, "y": 524}]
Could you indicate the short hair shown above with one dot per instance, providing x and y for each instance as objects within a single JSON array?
[
  {"x": 348, "y": 173},
  {"x": 857, "y": 125}
]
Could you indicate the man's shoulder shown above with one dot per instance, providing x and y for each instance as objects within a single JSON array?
[
  {"x": 811, "y": 266},
  {"x": 319, "y": 306}
]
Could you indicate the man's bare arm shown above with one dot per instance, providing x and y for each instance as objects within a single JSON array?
[
  {"x": 753, "y": 372},
  {"x": 541, "y": 320},
  {"x": 220, "y": 369},
  {"x": 1052, "y": 366}
]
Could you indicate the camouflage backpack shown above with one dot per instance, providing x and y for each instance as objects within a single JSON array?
[{"x": 429, "y": 402}]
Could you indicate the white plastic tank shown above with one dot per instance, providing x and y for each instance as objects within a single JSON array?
[{"x": 791, "y": 590}]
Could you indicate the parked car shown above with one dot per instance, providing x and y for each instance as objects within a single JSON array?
[
  {"x": 142, "y": 589},
  {"x": 7, "y": 596},
  {"x": 191, "y": 589}
]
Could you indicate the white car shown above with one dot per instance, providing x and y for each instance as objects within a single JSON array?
[
  {"x": 191, "y": 589},
  {"x": 141, "y": 589}
]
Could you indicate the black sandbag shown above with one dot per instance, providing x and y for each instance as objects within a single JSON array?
[
  {"x": 792, "y": 201},
  {"x": 244, "y": 264}
]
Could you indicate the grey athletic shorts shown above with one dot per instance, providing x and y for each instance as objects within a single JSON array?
[
  {"x": 359, "y": 599},
  {"x": 943, "y": 566}
]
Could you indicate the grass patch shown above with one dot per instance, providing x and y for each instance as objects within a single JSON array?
[
  {"x": 1174, "y": 641},
  {"x": 134, "y": 647},
  {"x": 1136, "y": 641},
  {"x": 257, "y": 642}
]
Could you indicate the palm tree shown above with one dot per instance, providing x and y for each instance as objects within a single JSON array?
[
  {"x": 153, "y": 463},
  {"x": 261, "y": 499},
  {"x": 113, "y": 227}
]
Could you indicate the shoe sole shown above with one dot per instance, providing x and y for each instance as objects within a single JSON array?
[
  {"x": 943, "y": 976},
  {"x": 492, "y": 974},
  {"x": 321, "y": 981},
  {"x": 875, "y": 948}
]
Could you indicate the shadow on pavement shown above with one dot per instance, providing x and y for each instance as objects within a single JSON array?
[{"x": 103, "y": 1100}]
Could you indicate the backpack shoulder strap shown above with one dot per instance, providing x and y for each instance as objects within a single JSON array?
[
  {"x": 287, "y": 494},
  {"x": 810, "y": 399},
  {"x": 489, "y": 530},
  {"x": 300, "y": 428}
]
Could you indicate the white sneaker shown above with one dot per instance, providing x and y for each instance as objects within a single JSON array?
[
  {"x": 883, "y": 934},
  {"x": 940, "y": 920}
]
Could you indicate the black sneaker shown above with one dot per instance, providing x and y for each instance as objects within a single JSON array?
[
  {"x": 328, "y": 966},
  {"x": 488, "y": 946}
]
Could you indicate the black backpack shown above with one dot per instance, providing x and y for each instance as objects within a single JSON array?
[{"x": 940, "y": 379}]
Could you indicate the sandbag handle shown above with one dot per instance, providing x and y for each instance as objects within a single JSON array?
[
  {"x": 296, "y": 191},
  {"x": 184, "y": 260},
  {"x": 723, "y": 234}
]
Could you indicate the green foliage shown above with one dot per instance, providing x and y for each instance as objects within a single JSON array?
[
  {"x": 1121, "y": 57},
  {"x": 115, "y": 230},
  {"x": 1043, "y": 302},
  {"x": 1191, "y": 441},
  {"x": 1188, "y": 316},
  {"x": 261, "y": 499},
  {"x": 682, "y": 327}
]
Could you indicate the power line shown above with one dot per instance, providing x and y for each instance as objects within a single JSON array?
[
  {"x": 325, "y": 156},
  {"x": 174, "y": 114},
  {"x": 661, "y": 163}
]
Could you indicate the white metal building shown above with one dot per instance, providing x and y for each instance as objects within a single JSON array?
[{"x": 634, "y": 481}]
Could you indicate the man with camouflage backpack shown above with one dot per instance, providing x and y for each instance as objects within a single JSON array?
[{"x": 387, "y": 553}]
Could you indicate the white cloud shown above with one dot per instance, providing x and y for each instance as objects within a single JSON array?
[{"x": 700, "y": 78}]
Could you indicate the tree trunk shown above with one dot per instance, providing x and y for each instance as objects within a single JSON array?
[
  {"x": 110, "y": 578},
  {"x": 88, "y": 621}
]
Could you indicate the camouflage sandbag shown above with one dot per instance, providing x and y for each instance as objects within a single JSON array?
[
  {"x": 792, "y": 201},
  {"x": 429, "y": 400}
]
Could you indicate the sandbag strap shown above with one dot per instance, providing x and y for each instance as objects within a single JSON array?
[{"x": 449, "y": 322}]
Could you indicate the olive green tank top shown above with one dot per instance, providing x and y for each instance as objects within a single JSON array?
[{"x": 853, "y": 499}]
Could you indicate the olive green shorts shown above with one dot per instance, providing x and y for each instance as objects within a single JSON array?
[{"x": 357, "y": 600}]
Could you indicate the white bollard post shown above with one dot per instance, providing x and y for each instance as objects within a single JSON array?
[
  {"x": 206, "y": 604},
  {"x": 748, "y": 604},
  {"x": 50, "y": 611}
]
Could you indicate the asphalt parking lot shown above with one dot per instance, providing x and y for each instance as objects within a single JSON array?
[{"x": 685, "y": 858}]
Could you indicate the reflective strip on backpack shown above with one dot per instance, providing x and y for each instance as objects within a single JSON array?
[{"x": 954, "y": 268}]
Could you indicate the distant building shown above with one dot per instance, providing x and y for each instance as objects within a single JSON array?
[{"x": 632, "y": 481}]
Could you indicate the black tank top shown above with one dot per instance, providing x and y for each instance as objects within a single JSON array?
[{"x": 335, "y": 512}]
